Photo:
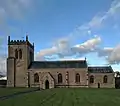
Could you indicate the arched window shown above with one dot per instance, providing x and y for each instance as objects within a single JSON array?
[
  {"x": 59, "y": 78},
  {"x": 36, "y": 77},
  {"x": 20, "y": 54},
  {"x": 77, "y": 78},
  {"x": 16, "y": 54},
  {"x": 91, "y": 79},
  {"x": 105, "y": 79}
]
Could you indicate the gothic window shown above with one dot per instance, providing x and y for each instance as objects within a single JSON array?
[
  {"x": 20, "y": 54},
  {"x": 36, "y": 77},
  {"x": 91, "y": 79},
  {"x": 77, "y": 78},
  {"x": 16, "y": 54},
  {"x": 59, "y": 78},
  {"x": 105, "y": 79}
]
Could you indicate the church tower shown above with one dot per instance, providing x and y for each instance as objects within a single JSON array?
[{"x": 20, "y": 55}]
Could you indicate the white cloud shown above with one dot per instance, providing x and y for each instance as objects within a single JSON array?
[
  {"x": 69, "y": 59},
  {"x": 112, "y": 55},
  {"x": 37, "y": 57},
  {"x": 48, "y": 51},
  {"x": 91, "y": 43},
  {"x": 3, "y": 65},
  {"x": 60, "y": 46},
  {"x": 2, "y": 58},
  {"x": 63, "y": 48},
  {"x": 96, "y": 22},
  {"x": 114, "y": 9},
  {"x": 88, "y": 46},
  {"x": 106, "y": 51}
]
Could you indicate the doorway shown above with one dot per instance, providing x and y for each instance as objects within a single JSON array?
[
  {"x": 98, "y": 85},
  {"x": 46, "y": 84}
]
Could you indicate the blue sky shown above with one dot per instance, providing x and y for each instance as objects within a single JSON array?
[{"x": 49, "y": 22}]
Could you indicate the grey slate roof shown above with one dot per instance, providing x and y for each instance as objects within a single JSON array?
[
  {"x": 100, "y": 69},
  {"x": 58, "y": 64}
]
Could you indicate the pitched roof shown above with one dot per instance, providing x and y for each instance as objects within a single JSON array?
[
  {"x": 58, "y": 64},
  {"x": 100, "y": 69}
]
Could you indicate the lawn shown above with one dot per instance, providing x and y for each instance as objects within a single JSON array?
[
  {"x": 66, "y": 97},
  {"x": 8, "y": 91}
]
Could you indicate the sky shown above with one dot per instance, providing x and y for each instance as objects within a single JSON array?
[{"x": 64, "y": 29}]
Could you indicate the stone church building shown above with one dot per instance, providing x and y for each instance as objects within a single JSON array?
[{"x": 23, "y": 71}]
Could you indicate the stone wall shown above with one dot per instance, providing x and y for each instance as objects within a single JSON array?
[
  {"x": 54, "y": 72},
  {"x": 98, "y": 78}
]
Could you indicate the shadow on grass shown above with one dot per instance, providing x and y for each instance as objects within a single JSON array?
[{"x": 18, "y": 93}]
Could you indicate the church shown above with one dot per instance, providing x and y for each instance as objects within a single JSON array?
[{"x": 23, "y": 71}]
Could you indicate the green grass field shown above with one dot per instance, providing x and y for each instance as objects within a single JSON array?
[
  {"x": 8, "y": 91},
  {"x": 64, "y": 97}
]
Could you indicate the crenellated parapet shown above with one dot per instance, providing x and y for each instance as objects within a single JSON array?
[
  {"x": 16, "y": 42},
  {"x": 20, "y": 42}
]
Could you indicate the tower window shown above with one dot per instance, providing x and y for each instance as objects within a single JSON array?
[
  {"x": 77, "y": 78},
  {"x": 20, "y": 54},
  {"x": 16, "y": 54}
]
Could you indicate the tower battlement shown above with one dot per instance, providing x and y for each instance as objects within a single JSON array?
[{"x": 20, "y": 42}]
